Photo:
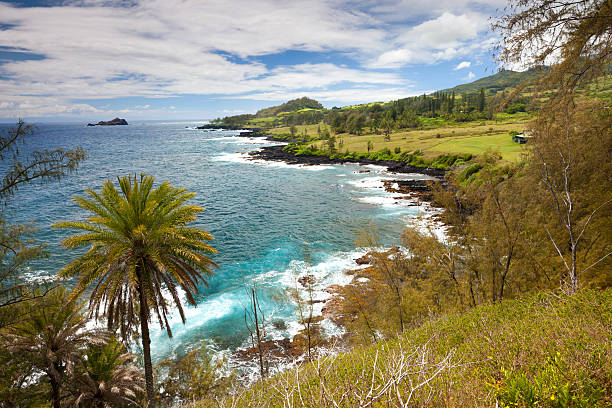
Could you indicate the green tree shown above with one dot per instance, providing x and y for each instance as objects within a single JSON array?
[
  {"x": 481, "y": 100},
  {"x": 331, "y": 144},
  {"x": 16, "y": 246},
  {"x": 355, "y": 123},
  {"x": 105, "y": 377},
  {"x": 370, "y": 146},
  {"x": 139, "y": 247},
  {"x": 52, "y": 337},
  {"x": 387, "y": 126},
  {"x": 194, "y": 377}
]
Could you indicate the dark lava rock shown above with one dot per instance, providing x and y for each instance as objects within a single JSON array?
[{"x": 276, "y": 153}]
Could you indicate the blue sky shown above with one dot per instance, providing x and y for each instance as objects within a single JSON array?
[{"x": 191, "y": 59}]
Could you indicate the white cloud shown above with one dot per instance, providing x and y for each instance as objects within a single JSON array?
[
  {"x": 352, "y": 95},
  {"x": 156, "y": 48},
  {"x": 463, "y": 64},
  {"x": 404, "y": 10},
  {"x": 443, "y": 38},
  {"x": 469, "y": 76}
]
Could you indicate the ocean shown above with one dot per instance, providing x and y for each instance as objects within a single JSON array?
[{"x": 272, "y": 222}]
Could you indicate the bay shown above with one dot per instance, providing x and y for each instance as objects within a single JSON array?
[{"x": 267, "y": 218}]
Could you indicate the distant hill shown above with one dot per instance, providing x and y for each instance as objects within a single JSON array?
[
  {"x": 498, "y": 82},
  {"x": 291, "y": 106}
]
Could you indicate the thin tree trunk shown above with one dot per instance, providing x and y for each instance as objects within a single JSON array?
[
  {"x": 258, "y": 333},
  {"x": 146, "y": 347},
  {"x": 503, "y": 276},
  {"x": 55, "y": 392}
]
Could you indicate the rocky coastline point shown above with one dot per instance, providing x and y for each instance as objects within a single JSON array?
[{"x": 286, "y": 350}]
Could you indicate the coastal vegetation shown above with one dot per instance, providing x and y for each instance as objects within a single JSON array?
[
  {"x": 140, "y": 247},
  {"x": 545, "y": 350},
  {"x": 520, "y": 228},
  {"x": 511, "y": 306}
]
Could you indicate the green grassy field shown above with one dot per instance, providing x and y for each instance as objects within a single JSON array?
[
  {"x": 436, "y": 138},
  {"x": 502, "y": 143}
]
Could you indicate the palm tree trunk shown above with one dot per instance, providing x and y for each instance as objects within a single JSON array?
[
  {"x": 146, "y": 347},
  {"x": 55, "y": 392}
]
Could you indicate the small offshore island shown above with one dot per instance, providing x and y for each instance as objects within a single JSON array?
[{"x": 114, "y": 122}]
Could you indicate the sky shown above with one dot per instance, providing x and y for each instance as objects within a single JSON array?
[{"x": 90, "y": 60}]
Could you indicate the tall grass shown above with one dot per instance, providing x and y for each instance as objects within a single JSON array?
[{"x": 548, "y": 350}]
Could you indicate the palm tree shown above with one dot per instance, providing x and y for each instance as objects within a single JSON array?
[
  {"x": 140, "y": 251},
  {"x": 52, "y": 337},
  {"x": 106, "y": 379}
]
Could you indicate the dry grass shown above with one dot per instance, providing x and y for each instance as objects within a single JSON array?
[
  {"x": 457, "y": 139},
  {"x": 548, "y": 350}
]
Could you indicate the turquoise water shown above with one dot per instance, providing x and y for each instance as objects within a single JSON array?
[{"x": 264, "y": 217}]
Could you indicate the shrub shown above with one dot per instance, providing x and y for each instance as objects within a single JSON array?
[
  {"x": 516, "y": 107},
  {"x": 469, "y": 171}
]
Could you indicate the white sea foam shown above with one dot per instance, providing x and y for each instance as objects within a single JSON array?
[
  {"x": 377, "y": 168},
  {"x": 238, "y": 157},
  {"x": 235, "y": 139},
  {"x": 428, "y": 224},
  {"x": 371, "y": 183},
  {"x": 242, "y": 157},
  {"x": 37, "y": 276},
  {"x": 392, "y": 200},
  {"x": 213, "y": 308}
]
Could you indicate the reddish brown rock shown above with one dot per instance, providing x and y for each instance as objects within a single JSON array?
[{"x": 364, "y": 260}]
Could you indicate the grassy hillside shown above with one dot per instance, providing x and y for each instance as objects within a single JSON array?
[
  {"x": 436, "y": 138},
  {"x": 290, "y": 106},
  {"x": 547, "y": 350},
  {"x": 448, "y": 122},
  {"x": 499, "y": 81}
]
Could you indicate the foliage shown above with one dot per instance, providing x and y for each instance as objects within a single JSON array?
[
  {"x": 572, "y": 145},
  {"x": 105, "y": 378},
  {"x": 290, "y": 106},
  {"x": 515, "y": 107},
  {"x": 549, "y": 386},
  {"x": 140, "y": 248},
  {"x": 195, "y": 376},
  {"x": 461, "y": 360},
  {"x": 42, "y": 166},
  {"x": 51, "y": 339},
  {"x": 573, "y": 35},
  {"x": 16, "y": 246}
]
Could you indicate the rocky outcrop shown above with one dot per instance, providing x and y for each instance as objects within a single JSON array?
[
  {"x": 364, "y": 260},
  {"x": 276, "y": 153},
  {"x": 113, "y": 122}
]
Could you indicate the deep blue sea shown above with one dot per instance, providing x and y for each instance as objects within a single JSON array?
[{"x": 265, "y": 217}]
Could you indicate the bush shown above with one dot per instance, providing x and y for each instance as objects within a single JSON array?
[
  {"x": 467, "y": 173},
  {"x": 516, "y": 107},
  {"x": 446, "y": 161}
]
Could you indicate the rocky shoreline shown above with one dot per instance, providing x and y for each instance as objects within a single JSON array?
[
  {"x": 276, "y": 153},
  {"x": 414, "y": 190}
]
